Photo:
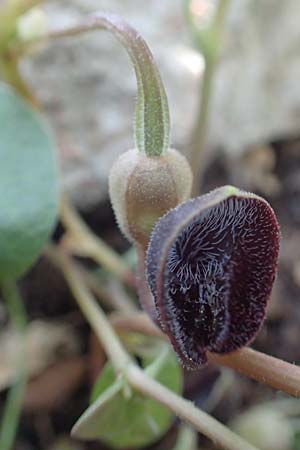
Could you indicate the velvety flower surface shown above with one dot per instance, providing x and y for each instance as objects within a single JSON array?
[{"x": 211, "y": 264}]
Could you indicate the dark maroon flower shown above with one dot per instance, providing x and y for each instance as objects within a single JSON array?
[{"x": 211, "y": 264}]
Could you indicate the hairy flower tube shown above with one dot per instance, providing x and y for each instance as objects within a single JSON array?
[{"x": 211, "y": 264}]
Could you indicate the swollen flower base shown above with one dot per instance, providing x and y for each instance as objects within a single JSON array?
[{"x": 143, "y": 188}]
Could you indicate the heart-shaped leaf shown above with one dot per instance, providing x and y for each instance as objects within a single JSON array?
[
  {"x": 28, "y": 184},
  {"x": 123, "y": 418}
]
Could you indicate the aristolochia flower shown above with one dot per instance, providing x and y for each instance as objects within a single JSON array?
[{"x": 211, "y": 264}]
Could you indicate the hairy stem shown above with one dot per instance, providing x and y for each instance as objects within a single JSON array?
[
  {"x": 90, "y": 309},
  {"x": 136, "y": 377},
  {"x": 12, "y": 410},
  {"x": 152, "y": 123},
  {"x": 263, "y": 368},
  {"x": 187, "y": 411},
  {"x": 208, "y": 42},
  {"x": 9, "y": 13},
  {"x": 92, "y": 245},
  {"x": 112, "y": 295},
  {"x": 145, "y": 296},
  {"x": 200, "y": 130},
  {"x": 186, "y": 439},
  {"x": 9, "y": 71}
]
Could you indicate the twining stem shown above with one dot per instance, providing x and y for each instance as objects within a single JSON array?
[
  {"x": 136, "y": 377},
  {"x": 112, "y": 295},
  {"x": 263, "y": 368},
  {"x": 93, "y": 313},
  {"x": 9, "y": 71},
  {"x": 138, "y": 322},
  {"x": 208, "y": 42},
  {"x": 199, "y": 133},
  {"x": 187, "y": 411},
  {"x": 9, "y": 12},
  {"x": 152, "y": 122},
  {"x": 145, "y": 296},
  {"x": 186, "y": 439},
  {"x": 12, "y": 410},
  {"x": 91, "y": 244}
]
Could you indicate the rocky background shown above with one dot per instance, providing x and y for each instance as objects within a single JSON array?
[{"x": 88, "y": 87}]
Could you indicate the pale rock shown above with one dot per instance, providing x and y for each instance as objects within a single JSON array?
[{"x": 88, "y": 88}]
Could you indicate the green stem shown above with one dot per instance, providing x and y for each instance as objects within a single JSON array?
[
  {"x": 112, "y": 295},
  {"x": 9, "y": 14},
  {"x": 12, "y": 410},
  {"x": 199, "y": 134},
  {"x": 263, "y": 368},
  {"x": 186, "y": 410},
  {"x": 10, "y": 72},
  {"x": 186, "y": 439},
  {"x": 208, "y": 42},
  {"x": 152, "y": 122},
  {"x": 91, "y": 310},
  {"x": 94, "y": 246},
  {"x": 136, "y": 377}
]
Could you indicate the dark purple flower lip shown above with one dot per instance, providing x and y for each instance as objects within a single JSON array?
[{"x": 211, "y": 264}]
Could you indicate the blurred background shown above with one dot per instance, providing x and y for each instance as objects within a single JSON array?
[{"x": 87, "y": 87}]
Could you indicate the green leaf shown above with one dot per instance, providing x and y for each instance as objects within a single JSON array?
[
  {"x": 296, "y": 441},
  {"x": 28, "y": 184},
  {"x": 123, "y": 418}
]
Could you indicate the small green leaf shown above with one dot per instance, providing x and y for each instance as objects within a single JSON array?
[
  {"x": 296, "y": 441},
  {"x": 28, "y": 184},
  {"x": 105, "y": 381},
  {"x": 123, "y": 418}
]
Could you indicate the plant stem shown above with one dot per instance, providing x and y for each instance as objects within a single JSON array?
[
  {"x": 9, "y": 13},
  {"x": 91, "y": 310},
  {"x": 136, "y": 377},
  {"x": 92, "y": 245},
  {"x": 208, "y": 42},
  {"x": 10, "y": 72},
  {"x": 12, "y": 411},
  {"x": 112, "y": 295},
  {"x": 263, "y": 368},
  {"x": 138, "y": 322},
  {"x": 145, "y": 296},
  {"x": 199, "y": 133},
  {"x": 186, "y": 410},
  {"x": 152, "y": 122},
  {"x": 186, "y": 439}
]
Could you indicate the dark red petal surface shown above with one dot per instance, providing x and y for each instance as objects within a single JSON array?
[{"x": 211, "y": 265}]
